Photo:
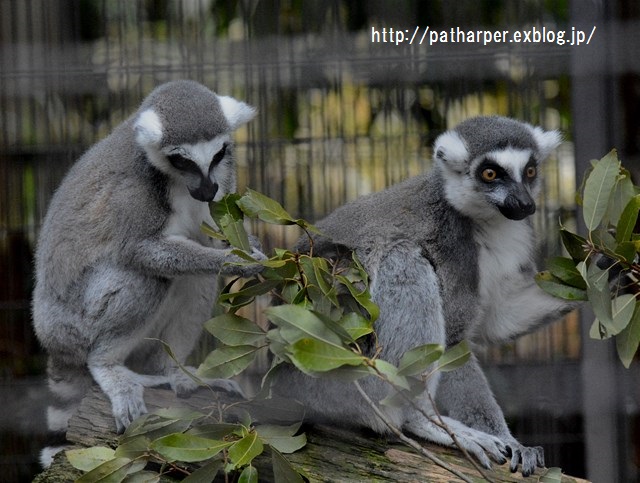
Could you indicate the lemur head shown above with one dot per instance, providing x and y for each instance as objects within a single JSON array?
[
  {"x": 185, "y": 130},
  {"x": 490, "y": 166}
]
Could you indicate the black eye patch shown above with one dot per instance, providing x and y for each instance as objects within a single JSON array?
[
  {"x": 219, "y": 155},
  {"x": 182, "y": 164}
]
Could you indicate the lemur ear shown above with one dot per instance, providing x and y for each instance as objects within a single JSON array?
[
  {"x": 236, "y": 112},
  {"x": 148, "y": 128},
  {"x": 547, "y": 141},
  {"x": 451, "y": 151}
]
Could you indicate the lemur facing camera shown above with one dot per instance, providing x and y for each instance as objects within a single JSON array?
[
  {"x": 121, "y": 257},
  {"x": 450, "y": 256}
]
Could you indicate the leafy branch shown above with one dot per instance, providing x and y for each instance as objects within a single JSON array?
[
  {"x": 603, "y": 268},
  {"x": 323, "y": 326}
]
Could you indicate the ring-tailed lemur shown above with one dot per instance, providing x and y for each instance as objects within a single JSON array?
[
  {"x": 450, "y": 255},
  {"x": 121, "y": 256}
]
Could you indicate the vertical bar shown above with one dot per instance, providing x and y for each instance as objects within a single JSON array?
[{"x": 591, "y": 88}]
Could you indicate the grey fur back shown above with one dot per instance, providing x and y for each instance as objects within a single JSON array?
[{"x": 114, "y": 195}]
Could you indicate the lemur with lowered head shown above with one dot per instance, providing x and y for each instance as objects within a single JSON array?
[
  {"x": 121, "y": 257},
  {"x": 450, "y": 255}
]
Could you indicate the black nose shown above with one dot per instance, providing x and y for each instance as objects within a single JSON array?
[
  {"x": 206, "y": 191},
  {"x": 527, "y": 206},
  {"x": 518, "y": 205}
]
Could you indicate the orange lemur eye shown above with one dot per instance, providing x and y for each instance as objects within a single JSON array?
[
  {"x": 531, "y": 172},
  {"x": 489, "y": 174}
]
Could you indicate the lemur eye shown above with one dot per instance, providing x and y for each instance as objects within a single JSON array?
[
  {"x": 489, "y": 174},
  {"x": 531, "y": 172},
  {"x": 219, "y": 155}
]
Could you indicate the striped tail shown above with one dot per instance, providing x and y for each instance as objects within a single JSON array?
[{"x": 68, "y": 384}]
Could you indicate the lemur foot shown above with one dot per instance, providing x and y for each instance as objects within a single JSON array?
[
  {"x": 528, "y": 457},
  {"x": 127, "y": 404}
]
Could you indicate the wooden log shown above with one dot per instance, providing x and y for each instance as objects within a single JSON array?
[{"x": 331, "y": 455}]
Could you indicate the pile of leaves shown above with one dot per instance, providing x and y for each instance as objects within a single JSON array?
[
  {"x": 323, "y": 325},
  {"x": 603, "y": 268}
]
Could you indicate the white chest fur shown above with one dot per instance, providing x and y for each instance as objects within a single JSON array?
[
  {"x": 504, "y": 249},
  {"x": 187, "y": 215}
]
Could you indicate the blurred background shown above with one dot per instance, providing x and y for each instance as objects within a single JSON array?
[{"x": 339, "y": 115}]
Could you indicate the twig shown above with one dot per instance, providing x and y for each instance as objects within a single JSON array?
[
  {"x": 438, "y": 422},
  {"x": 405, "y": 439}
]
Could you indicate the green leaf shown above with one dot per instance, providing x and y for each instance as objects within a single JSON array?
[
  {"x": 598, "y": 189},
  {"x": 252, "y": 288},
  {"x": 210, "y": 231},
  {"x": 313, "y": 355},
  {"x": 282, "y": 437},
  {"x": 234, "y": 330},
  {"x": 304, "y": 321},
  {"x": 206, "y": 473},
  {"x": 248, "y": 475},
  {"x": 255, "y": 204},
  {"x": 227, "y": 361},
  {"x": 398, "y": 399},
  {"x": 565, "y": 270},
  {"x": 350, "y": 373},
  {"x": 454, "y": 357},
  {"x": 112, "y": 471},
  {"x": 600, "y": 302},
  {"x": 576, "y": 245},
  {"x": 627, "y": 251},
  {"x": 283, "y": 471},
  {"x": 229, "y": 218},
  {"x": 235, "y": 233},
  {"x": 142, "y": 477},
  {"x": 86, "y": 459},
  {"x": 363, "y": 297},
  {"x": 622, "y": 308},
  {"x": 247, "y": 293},
  {"x": 628, "y": 220},
  {"x": 214, "y": 430},
  {"x": 227, "y": 206},
  {"x": 153, "y": 427},
  {"x": 556, "y": 287},
  {"x": 417, "y": 360},
  {"x": 276, "y": 410},
  {"x": 391, "y": 373},
  {"x": 627, "y": 341},
  {"x": 356, "y": 325},
  {"x": 133, "y": 448},
  {"x": 597, "y": 277},
  {"x": 242, "y": 452},
  {"x": 622, "y": 193},
  {"x": 598, "y": 331},
  {"x": 188, "y": 448}
]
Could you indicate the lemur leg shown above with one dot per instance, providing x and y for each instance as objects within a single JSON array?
[
  {"x": 112, "y": 306},
  {"x": 481, "y": 411},
  {"x": 179, "y": 321},
  {"x": 411, "y": 314}
]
